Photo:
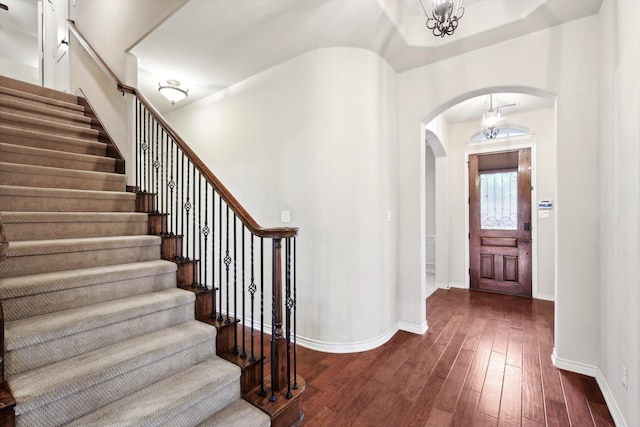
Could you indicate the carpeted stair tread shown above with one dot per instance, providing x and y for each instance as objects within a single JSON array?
[
  {"x": 239, "y": 414},
  {"x": 180, "y": 400},
  {"x": 39, "y": 95},
  {"x": 53, "y": 177},
  {"x": 43, "y": 256},
  {"x": 34, "y": 342},
  {"x": 45, "y": 111},
  {"x": 34, "y": 199},
  {"x": 60, "y": 392},
  {"x": 51, "y": 141},
  {"x": 54, "y": 158},
  {"x": 28, "y": 90},
  {"x": 35, "y": 330},
  {"x": 38, "y": 294},
  {"x": 40, "y": 124},
  {"x": 20, "y": 226}
]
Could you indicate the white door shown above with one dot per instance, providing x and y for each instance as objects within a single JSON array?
[{"x": 55, "y": 48}]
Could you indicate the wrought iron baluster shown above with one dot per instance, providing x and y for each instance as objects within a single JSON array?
[
  {"x": 213, "y": 252},
  {"x": 227, "y": 263},
  {"x": 220, "y": 318},
  {"x": 195, "y": 233},
  {"x": 144, "y": 146},
  {"x": 263, "y": 392},
  {"x": 156, "y": 166},
  {"x": 171, "y": 184},
  {"x": 289, "y": 306},
  {"x": 138, "y": 144},
  {"x": 203, "y": 260},
  {"x": 235, "y": 286},
  {"x": 295, "y": 312},
  {"x": 187, "y": 208},
  {"x": 252, "y": 291},
  {"x": 243, "y": 355}
]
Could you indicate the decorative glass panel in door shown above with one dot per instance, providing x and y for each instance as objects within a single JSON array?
[{"x": 499, "y": 200}]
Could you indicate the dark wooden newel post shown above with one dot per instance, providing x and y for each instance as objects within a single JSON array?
[{"x": 278, "y": 340}]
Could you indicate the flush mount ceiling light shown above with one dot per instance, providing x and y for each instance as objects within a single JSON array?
[
  {"x": 491, "y": 119},
  {"x": 443, "y": 20},
  {"x": 172, "y": 91}
]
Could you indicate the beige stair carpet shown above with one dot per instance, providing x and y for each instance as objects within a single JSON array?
[{"x": 96, "y": 331}]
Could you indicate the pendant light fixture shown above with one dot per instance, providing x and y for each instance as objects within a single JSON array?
[
  {"x": 172, "y": 91},
  {"x": 491, "y": 120},
  {"x": 444, "y": 16}
]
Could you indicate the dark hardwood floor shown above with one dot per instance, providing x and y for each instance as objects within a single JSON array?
[{"x": 484, "y": 361}]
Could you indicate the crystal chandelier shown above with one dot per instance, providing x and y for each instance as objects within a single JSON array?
[
  {"x": 443, "y": 19},
  {"x": 491, "y": 119}
]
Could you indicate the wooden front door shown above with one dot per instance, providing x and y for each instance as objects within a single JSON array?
[{"x": 500, "y": 222}]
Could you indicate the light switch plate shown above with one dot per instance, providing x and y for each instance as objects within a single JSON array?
[{"x": 285, "y": 217}]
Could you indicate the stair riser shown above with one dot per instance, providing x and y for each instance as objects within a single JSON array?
[
  {"x": 206, "y": 404},
  {"x": 43, "y": 158},
  {"x": 63, "y": 230},
  {"x": 54, "y": 144},
  {"x": 51, "y": 127},
  {"x": 102, "y": 393},
  {"x": 56, "y": 181},
  {"x": 70, "y": 204},
  {"x": 14, "y": 266},
  {"x": 62, "y": 116},
  {"x": 50, "y": 302},
  {"x": 41, "y": 354}
]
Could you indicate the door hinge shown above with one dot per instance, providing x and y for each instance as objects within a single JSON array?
[
  {"x": 469, "y": 272},
  {"x": 532, "y": 188},
  {"x": 469, "y": 235}
]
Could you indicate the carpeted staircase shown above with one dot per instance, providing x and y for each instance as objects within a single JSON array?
[{"x": 96, "y": 331}]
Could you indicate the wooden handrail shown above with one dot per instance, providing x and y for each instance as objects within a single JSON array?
[{"x": 225, "y": 194}]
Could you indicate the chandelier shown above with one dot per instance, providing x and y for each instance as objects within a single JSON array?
[
  {"x": 172, "y": 91},
  {"x": 491, "y": 119},
  {"x": 443, "y": 20}
]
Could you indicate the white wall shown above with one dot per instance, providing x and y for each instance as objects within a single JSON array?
[
  {"x": 619, "y": 210},
  {"x": 560, "y": 61},
  {"x": 542, "y": 124},
  {"x": 316, "y": 136},
  {"x": 112, "y": 27}
]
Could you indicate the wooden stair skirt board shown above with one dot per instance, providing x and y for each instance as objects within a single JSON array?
[{"x": 100, "y": 308}]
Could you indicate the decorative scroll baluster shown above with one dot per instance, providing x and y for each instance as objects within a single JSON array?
[
  {"x": 227, "y": 263},
  {"x": 144, "y": 146},
  {"x": 187, "y": 208},
  {"x": 252, "y": 291},
  {"x": 156, "y": 165},
  {"x": 205, "y": 233},
  {"x": 295, "y": 313},
  {"x": 289, "y": 306},
  {"x": 243, "y": 355},
  {"x": 171, "y": 185}
]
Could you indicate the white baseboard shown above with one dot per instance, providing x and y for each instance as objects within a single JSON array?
[
  {"x": 616, "y": 414},
  {"x": 573, "y": 366},
  {"x": 413, "y": 328},
  {"x": 545, "y": 297},
  {"x": 354, "y": 347},
  {"x": 592, "y": 371},
  {"x": 442, "y": 285},
  {"x": 458, "y": 285}
]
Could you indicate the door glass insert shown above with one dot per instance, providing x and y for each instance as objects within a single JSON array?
[{"x": 499, "y": 200}]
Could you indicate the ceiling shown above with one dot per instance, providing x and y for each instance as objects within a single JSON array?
[{"x": 209, "y": 45}]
